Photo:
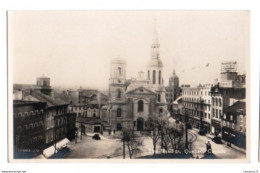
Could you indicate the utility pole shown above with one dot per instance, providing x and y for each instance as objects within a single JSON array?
[
  {"x": 201, "y": 127},
  {"x": 186, "y": 129}
]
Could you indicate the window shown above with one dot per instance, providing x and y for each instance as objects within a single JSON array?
[
  {"x": 159, "y": 97},
  {"x": 220, "y": 102},
  {"x": 159, "y": 77},
  {"x": 213, "y": 111},
  {"x": 94, "y": 114},
  {"x": 140, "y": 107},
  {"x": 209, "y": 116},
  {"x": 154, "y": 76},
  {"x": 148, "y": 75},
  {"x": 118, "y": 95},
  {"x": 119, "y": 71},
  {"x": 118, "y": 112},
  {"x": 26, "y": 114},
  {"x": 31, "y": 113},
  {"x": 241, "y": 128}
]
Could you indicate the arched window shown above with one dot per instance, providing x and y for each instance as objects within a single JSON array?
[
  {"x": 160, "y": 111},
  {"x": 119, "y": 71},
  {"x": 159, "y": 97},
  {"x": 118, "y": 94},
  {"x": 140, "y": 107},
  {"x": 118, "y": 112},
  {"x": 159, "y": 77},
  {"x": 154, "y": 76}
]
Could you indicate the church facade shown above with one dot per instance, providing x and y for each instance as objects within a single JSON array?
[{"x": 132, "y": 102}]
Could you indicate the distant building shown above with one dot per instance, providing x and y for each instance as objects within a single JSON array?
[
  {"x": 229, "y": 77},
  {"x": 197, "y": 104},
  {"x": 28, "y": 128},
  {"x": 173, "y": 90}
]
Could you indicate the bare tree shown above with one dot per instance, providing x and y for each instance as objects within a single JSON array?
[
  {"x": 153, "y": 125},
  {"x": 132, "y": 141}
]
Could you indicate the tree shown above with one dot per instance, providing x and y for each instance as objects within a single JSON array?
[
  {"x": 153, "y": 125},
  {"x": 132, "y": 142}
]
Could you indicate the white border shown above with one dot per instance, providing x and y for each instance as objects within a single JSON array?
[{"x": 254, "y": 8}]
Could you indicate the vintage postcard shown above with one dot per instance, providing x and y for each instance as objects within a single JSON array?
[{"x": 117, "y": 85}]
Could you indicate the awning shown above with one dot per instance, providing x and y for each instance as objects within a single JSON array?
[
  {"x": 62, "y": 143},
  {"x": 48, "y": 152}
]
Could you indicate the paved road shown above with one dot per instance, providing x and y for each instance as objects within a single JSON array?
[
  {"x": 89, "y": 148},
  {"x": 220, "y": 151}
]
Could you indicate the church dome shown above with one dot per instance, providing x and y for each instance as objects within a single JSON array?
[
  {"x": 154, "y": 62},
  {"x": 174, "y": 76}
]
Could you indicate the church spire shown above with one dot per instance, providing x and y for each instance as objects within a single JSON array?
[{"x": 155, "y": 44}]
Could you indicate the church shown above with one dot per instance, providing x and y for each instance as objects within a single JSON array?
[{"x": 132, "y": 102}]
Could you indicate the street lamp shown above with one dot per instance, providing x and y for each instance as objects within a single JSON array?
[
  {"x": 186, "y": 120},
  {"x": 201, "y": 126}
]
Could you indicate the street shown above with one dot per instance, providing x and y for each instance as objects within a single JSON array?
[{"x": 89, "y": 148}]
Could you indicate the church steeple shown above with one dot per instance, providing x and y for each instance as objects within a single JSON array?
[{"x": 155, "y": 44}]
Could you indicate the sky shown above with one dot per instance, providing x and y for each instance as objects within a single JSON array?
[{"x": 74, "y": 48}]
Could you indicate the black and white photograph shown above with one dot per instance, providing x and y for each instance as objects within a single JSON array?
[{"x": 117, "y": 84}]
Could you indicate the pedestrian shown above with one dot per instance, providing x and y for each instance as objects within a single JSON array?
[
  {"x": 208, "y": 147},
  {"x": 114, "y": 131},
  {"x": 109, "y": 132}
]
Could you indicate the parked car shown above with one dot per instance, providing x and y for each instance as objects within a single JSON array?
[
  {"x": 217, "y": 140},
  {"x": 96, "y": 137}
]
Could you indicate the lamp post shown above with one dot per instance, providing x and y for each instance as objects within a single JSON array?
[
  {"x": 186, "y": 120},
  {"x": 201, "y": 126}
]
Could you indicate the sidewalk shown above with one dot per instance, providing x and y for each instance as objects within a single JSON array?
[{"x": 224, "y": 142}]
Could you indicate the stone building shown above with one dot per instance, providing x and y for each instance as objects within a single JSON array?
[
  {"x": 221, "y": 98},
  {"x": 234, "y": 124},
  {"x": 197, "y": 103},
  {"x": 28, "y": 128},
  {"x": 58, "y": 120},
  {"x": 132, "y": 102}
]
